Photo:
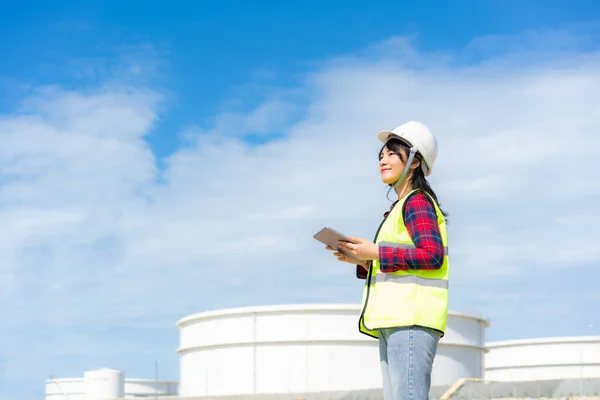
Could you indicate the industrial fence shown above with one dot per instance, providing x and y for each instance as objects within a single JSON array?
[{"x": 466, "y": 389}]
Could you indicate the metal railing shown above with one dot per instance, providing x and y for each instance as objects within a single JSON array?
[
  {"x": 464, "y": 389},
  {"x": 478, "y": 389}
]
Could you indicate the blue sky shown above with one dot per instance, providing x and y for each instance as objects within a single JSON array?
[
  {"x": 207, "y": 52},
  {"x": 141, "y": 142}
]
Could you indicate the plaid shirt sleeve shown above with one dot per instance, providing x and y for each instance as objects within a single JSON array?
[{"x": 421, "y": 221}]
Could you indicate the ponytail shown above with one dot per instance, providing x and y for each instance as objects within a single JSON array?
[{"x": 419, "y": 182}]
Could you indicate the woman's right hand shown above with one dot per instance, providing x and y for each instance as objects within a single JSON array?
[{"x": 344, "y": 258}]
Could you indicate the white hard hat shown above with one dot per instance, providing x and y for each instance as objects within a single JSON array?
[{"x": 416, "y": 135}]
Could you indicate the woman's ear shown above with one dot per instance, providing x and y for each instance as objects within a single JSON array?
[{"x": 416, "y": 163}]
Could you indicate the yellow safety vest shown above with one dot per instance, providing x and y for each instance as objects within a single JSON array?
[{"x": 405, "y": 298}]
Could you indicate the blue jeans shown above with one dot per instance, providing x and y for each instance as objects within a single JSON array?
[{"x": 406, "y": 356}]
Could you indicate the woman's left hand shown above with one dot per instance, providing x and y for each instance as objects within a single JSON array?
[{"x": 362, "y": 249}]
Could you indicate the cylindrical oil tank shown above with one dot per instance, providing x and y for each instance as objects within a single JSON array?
[
  {"x": 104, "y": 383},
  {"x": 65, "y": 389},
  {"x": 544, "y": 358},
  {"x": 149, "y": 387},
  {"x": 107, "y": 384},
  {"x": 304, "y": 348}
]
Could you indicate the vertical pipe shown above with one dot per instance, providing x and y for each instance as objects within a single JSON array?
[
  {"x": 580, "y": 370},
  {"x": 155, "y": 379},
  {"x": 254, "y": 352}
]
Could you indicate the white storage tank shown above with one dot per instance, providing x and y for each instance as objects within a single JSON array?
[
  {"x": 104, "y": 383},
  {"x": 149, "y": 387},
  {"x": 107, "y": 384},
  {"x": 65, "y": 389},
  {"x": 546, "y": 358},
  {"x": 304, "y": 348}
]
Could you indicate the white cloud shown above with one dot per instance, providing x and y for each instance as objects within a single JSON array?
[{"x": 93, "y": 238}]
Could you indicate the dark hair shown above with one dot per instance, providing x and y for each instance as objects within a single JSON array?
[{"x": 418, "y": 180}]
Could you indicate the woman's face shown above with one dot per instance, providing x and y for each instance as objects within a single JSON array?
[{"x": 390, "y": 166}]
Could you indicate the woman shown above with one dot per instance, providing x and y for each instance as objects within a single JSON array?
[{"x": 405, "y": 298}]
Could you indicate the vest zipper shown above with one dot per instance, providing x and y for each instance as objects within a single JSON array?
[{"x": 362, "y": 313}]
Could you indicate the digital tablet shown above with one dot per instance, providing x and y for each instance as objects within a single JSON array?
[{"x": 330, "y": 237}]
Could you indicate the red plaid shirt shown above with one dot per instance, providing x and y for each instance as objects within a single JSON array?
[{"x": 421, "y": 221}]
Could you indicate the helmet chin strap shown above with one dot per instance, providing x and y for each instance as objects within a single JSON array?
[{"x": 411, "y": 156}]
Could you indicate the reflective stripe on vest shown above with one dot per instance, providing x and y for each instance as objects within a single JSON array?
[
  {"x": 406, "y": 297},
  {"x": 412, "y": 279}
]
